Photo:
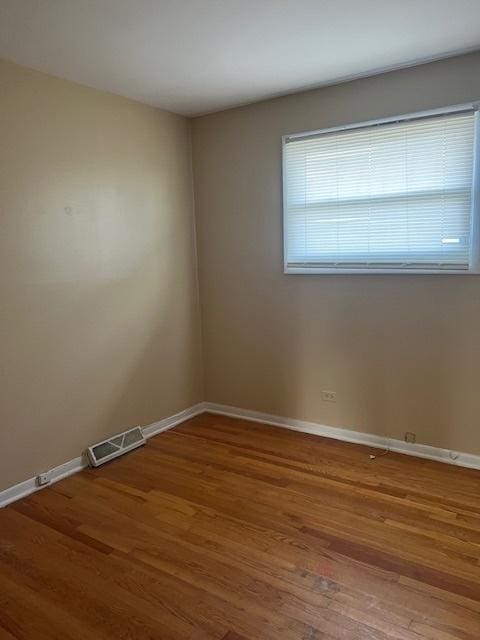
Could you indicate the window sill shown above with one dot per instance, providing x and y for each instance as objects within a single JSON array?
[{"x": 395, "y": 272}]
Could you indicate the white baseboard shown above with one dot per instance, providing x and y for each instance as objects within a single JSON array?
[
  {"x": 460, "y": 459},
  {"x": 66, "y": 469},
  {"x": 172, "y": 421},
  {"x": 29, "y": 486},
  {"x": 347, "y": 435}
]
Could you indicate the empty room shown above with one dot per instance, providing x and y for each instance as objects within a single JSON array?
[{"x": 239, "y": 320}]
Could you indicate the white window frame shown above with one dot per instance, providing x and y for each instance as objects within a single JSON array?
[{"x": 474, "y": 262}]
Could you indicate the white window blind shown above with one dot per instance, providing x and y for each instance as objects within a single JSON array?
[{"x": 393, "y": 196}]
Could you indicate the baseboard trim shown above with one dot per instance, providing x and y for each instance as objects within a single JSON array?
[
  {"x": 168, "y": 423},
  {"x": 447, "y": 456},
  {"x": 437, "y": 454},
  {"x": 27, "y": 487}
]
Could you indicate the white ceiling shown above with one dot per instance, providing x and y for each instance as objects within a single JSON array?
[{"x": 197, "y": 56}]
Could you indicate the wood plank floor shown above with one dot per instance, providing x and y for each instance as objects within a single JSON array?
[{"x": 225, "y": 529}]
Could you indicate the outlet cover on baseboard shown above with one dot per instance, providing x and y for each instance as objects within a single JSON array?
[{"x": 43, "y": 478}]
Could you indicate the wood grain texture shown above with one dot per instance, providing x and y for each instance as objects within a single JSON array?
[{"x": 223, "y": 529}]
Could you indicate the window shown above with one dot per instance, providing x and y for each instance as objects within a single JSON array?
[{"x": 394, "y": 196}]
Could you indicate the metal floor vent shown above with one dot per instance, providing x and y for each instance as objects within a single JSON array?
[{"x": 118, "y": 445}]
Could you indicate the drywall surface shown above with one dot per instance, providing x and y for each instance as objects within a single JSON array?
[
  {"x": 402, "y": 352},
  {"x": 99, "y": 315}
]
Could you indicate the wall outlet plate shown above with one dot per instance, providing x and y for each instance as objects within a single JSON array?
[
  {"x": 44, "y": 478},
  {"x": 329, "y": 396}
]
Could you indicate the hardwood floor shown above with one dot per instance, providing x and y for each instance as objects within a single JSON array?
[{"x": 224, "y": 529}]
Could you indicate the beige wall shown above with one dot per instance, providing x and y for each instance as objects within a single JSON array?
[
  {"x": 99, "y": 322},
  {"x": 402, "y": 352}
]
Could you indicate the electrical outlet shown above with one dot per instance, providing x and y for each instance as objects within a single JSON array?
[
  {"x": 410, "y": 437},
  {"x": 329, "y": 396},
  {"x": 44, "y": 478}
]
